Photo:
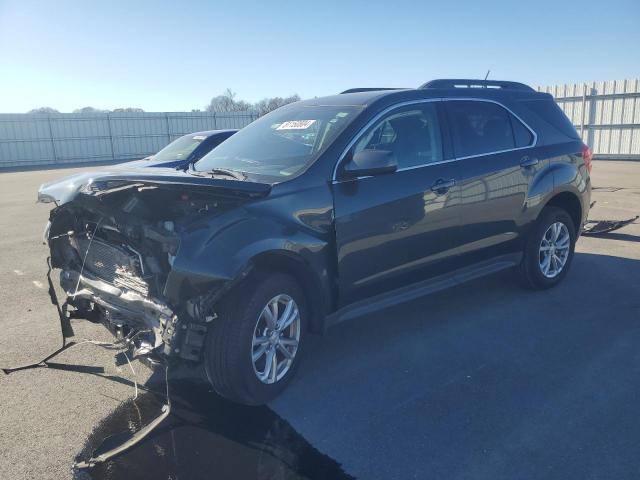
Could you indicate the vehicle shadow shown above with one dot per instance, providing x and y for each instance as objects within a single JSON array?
[
  {"x": 619, "y": 236},
  {"x": 485, "y": 380},
  {"x": 204, "y": 437}
]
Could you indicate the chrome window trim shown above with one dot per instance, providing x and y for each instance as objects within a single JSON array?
[
  {"x": 361, "y": 132},
  {"x": 391, "y": 108},
  {"x": 533, "y": 133}
]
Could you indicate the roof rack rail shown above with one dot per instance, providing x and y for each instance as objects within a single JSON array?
[
  {"x": 471, "y": 83},
  {"x": 369, "y": 89}
]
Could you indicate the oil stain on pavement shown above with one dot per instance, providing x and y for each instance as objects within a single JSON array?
[{"x": 205, "y": 436}]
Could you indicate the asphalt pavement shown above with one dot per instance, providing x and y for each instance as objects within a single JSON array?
[{"x": 482, "y": 381}]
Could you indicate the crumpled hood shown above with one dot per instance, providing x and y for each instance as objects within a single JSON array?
[{"x": 66, "y": 189}]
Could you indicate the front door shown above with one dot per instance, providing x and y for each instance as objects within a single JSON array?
[{"x": 397, "y": 228}]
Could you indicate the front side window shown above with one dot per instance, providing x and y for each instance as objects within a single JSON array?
[
  {"x": 479, "y": 127},
  {"x": 411, "y": 133},
  {"x": 282, "y": 143}
]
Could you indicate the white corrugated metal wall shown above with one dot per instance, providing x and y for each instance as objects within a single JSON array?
[
  {"x": 606, "y": 114},
  {"x": 67, "y": 138}
]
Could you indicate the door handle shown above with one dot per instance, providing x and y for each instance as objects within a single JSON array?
[
  {"x": 528, "y": 161},
  {"x": 441, "y": 186}
]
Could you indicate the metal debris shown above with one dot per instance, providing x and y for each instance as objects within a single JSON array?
[
  {"x": 65, "y": 327},
  {"x": 135, "y": 438},
  {"x": 68, "y": 332},
  {"x": 598, "y": 227}
]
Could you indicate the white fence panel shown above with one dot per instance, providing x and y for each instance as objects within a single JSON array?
[
  {"x": 606, "y": 114},
  {"x": 29, "y": 140}
]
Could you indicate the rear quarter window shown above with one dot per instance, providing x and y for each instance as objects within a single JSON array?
[
  {"x": 521, "y": 134},
  {"x": 550, "y": 112}
]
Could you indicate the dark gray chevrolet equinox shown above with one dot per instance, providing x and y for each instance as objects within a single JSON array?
[{"x": 320, "y": 211}]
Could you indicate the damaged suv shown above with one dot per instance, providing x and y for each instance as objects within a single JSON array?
[{"x": 320, "y": 211}]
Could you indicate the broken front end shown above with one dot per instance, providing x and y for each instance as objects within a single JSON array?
[{"x": 124, "y": 249}]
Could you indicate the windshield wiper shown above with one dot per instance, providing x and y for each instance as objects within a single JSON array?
[{"x": 227, "y": 172}]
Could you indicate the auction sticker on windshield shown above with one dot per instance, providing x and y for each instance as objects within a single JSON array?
[{"x": 296, "y": 125}]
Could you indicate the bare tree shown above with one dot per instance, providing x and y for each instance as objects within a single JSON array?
[
  {"x": 267, "y": 105},
  {"x": 227, "y": 103},
  {"x": 128, "y": 110},
  {"x": 44, "y": 110},
  {"x": 89, "y": 110}
]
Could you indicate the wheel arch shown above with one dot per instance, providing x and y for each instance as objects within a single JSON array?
[
  {"x": 569, "y": 202},
  {"x": 316, "y": 293}
]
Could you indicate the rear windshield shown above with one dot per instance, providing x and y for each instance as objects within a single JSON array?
[
  {"x": 179, "y": 149},
  {"x": 551, "y": 113},
  {"x": 282, "y": 143}
]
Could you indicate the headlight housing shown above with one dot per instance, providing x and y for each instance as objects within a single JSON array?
[{"x": 45, "y": 198}]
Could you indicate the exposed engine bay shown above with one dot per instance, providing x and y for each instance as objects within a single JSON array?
[{"x": 115, "y": 247}]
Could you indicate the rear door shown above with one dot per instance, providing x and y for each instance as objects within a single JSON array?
[
  {"x": 396, "y": 229},
  {"x": 497, "y": 163}
]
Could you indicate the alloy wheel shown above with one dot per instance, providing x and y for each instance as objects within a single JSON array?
[
  {"x": 275, "y": 339},
  {"x": 554, "y": 249}
]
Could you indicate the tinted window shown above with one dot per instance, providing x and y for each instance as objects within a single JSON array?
[
  {"x": 205, "y": 147},
  {"x": 412, "y": 134},
  {"x": 551, "y": 113},
  {"x": 179, "y": 149},
  {"x": 522, "y": 134},
  {"x": 479, "y": 127},
  {"x": 281, "y": 143}
]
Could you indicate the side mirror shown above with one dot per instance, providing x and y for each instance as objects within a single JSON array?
[{"x": 370, "y": 162}]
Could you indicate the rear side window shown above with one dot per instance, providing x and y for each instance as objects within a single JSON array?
[
  {"x": 551, "y": 113},
  {"x": 479, "y": 127}
]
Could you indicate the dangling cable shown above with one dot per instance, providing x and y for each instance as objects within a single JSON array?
[{"x": 85, "y": 258}]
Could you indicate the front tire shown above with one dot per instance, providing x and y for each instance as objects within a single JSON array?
[
  {"x": 253, "y": 348},
  {"x": 549, "y": 249}
]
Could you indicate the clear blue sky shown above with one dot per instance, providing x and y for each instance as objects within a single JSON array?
[{"x": 176, "y": 55}]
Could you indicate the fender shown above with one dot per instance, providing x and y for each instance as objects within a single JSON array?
[
  {"x": 559, "y": 175},
  {"x": 571, "y": 176},
  {"x": 212, "y": 254},
  {"x": 540, "y": 189},
  {"x": 565, "y": 174}
]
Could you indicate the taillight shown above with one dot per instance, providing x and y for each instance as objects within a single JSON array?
[{"x": 587, "y": 156}]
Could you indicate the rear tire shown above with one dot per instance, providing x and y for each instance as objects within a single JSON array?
[
  {"x": 244, "y": 330},
  {"x": 549, "y": 249}
]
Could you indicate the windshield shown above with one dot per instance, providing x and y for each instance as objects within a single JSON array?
[
  {"x": 180, "y": 149},
  {"x": 282, "y": 143}
]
